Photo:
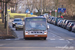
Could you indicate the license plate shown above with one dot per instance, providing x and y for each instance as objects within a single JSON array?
[{"x": 35, "y": 35}]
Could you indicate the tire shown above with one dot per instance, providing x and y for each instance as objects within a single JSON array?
[
  {"x": 26, "y": 38},
  {"x": 72, "y": 30},
  {"x": 13, "y": 26},
  {"x": 44, "y": 38},
  {"x": 16, "y": 29},
  {"x": 69, "y": 30}
]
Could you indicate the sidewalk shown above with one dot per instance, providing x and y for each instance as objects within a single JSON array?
[{"x": 3, "y": 34}]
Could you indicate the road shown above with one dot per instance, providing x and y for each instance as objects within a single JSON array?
[{"x": 58, "y": 39}]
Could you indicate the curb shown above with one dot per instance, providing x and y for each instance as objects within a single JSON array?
[
  {"x": 14, "y": 34},
  {"x": 7, "y": 37}
]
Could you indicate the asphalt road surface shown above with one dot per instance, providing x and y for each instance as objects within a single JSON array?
[{"x": 58, "y": 39}]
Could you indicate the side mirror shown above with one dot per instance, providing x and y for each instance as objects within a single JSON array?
[{"x": 47, "y": 26}]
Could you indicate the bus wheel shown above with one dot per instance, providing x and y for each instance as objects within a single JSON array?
[
  {"x": 44, "y": 38},
  {"x": 26, "y": 38}
]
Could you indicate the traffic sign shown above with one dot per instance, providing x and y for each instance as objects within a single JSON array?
[
  {"x": 27, "y": 10},
  {"x": 31, "y": 13},
  {"x": 61, "y": 10}
]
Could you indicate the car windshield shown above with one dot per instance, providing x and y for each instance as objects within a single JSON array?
[
  {"x": 35, "y": 24},
  {"x": 17, "y": 20}
]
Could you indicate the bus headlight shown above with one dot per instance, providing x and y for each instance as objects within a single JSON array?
[
  {"x": 26, "y": 33},
  {"x": 45, "y": 33}
]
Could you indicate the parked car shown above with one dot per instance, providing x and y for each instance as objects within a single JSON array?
[
  {"x": 48, "y": 20},
  {"x": 73, "y": 28},
  {"x": 46, "y": 15},
  {"x": 66, "y": 23},
  {"x": 53, "y": 20},
  {"x": 15, "y": 21},
  {"x": 60, "y": 23},
  {"x": 70, "y": 25},
  {"x": 56, "y": 20}
]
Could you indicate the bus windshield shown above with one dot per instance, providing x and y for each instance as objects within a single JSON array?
[{"x": 32, "y": 24}]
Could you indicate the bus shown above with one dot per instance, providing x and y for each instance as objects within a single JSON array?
[{"x": 35, "y": 27}]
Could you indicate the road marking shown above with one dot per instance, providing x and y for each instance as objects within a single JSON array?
[
  {"x": 65, "y": 47},
  {"x": 71, "y": 47},
  {"x": 52, "y": 39},
  {"x": 27, "y": 47},
  {"x": 54, "y": 34},
  {"x": 40, "y": 47},
  {"x": 7, "y": 39},
  {"x": 70, "y": 39},
  {"x": 55, "y": 39},
  {"x": 1, "y": 44},
  {"x": 47, "y": 39},
  {"x": 61, "y": 39}
]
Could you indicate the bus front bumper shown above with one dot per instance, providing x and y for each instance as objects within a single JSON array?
[{"x": 26, "y": 36}]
